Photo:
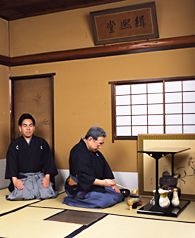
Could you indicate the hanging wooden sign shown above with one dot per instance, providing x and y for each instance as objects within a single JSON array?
[{"x": 131, "y": 23}]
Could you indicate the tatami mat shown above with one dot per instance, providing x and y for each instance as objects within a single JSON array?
[
  {"x": 119, "y": 226},
  {"x": 7, "y": 206},
  {"x": 120, "y": 209},
  {"x": 29, "y": 222},
  {"x": 21, "y": 219}
]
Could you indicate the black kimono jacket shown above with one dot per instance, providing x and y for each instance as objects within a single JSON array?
[
  {"x": 29, "y": 158},
  {"x": 86, "y": 166}
]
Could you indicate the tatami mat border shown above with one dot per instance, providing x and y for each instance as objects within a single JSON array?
[
  {"x": 62, "y": 209},
  {"x": 114, "y": 214},
  {"x": 17, "y": 209},
  {"x": 84, "y": 227},
  {"x": 76, "y": 232},
  {"x": 149, "y": 218},
  {"x": 79, "y": 230}
]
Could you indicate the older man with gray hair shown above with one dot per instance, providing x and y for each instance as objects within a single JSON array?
[{"x": 91, "y": 182}]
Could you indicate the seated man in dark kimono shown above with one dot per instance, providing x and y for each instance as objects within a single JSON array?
[
  {"x": 91, "y": 182},
  {"x": 29, "y": 164}
]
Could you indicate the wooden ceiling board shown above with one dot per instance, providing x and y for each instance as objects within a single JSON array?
[{"x": 17, "y": 9}]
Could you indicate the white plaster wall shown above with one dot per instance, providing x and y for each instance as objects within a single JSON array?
[
  {"x": 126, "y": 179},
  {"x": 3, "y": 182},
  {"x": 60, "y": 179}
]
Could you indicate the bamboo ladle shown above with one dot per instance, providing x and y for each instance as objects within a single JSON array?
[{"x": 122, "y": 186}]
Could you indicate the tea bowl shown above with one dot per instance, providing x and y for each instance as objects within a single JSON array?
[{"x": 125, "y": 192}]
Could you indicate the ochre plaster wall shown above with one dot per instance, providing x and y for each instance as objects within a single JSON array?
[
  {"x": 72, "y": 29},
  {"x": 4, "y": 91},
  {"x": 82, "y": 97},
  {"x": 4, "y": 42},
  {"x": 4, "y": 111}
]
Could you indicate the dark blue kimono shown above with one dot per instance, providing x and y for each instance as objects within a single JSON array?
[{"x": 85, "y": 166}]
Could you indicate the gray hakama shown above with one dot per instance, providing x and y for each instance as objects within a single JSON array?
[{"x": 33, "y": 188}]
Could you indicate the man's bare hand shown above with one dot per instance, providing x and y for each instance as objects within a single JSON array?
[
  {"x": 46, "y": 181},
  {"x": 109, "y": 182},
  {"x": 116, "y": 188},
  {"x": 18, "y": 183}
]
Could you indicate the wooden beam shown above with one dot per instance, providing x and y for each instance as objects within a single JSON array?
[
  {"x": 103, "y": 51},
  {"x": 4, "y": 60}
]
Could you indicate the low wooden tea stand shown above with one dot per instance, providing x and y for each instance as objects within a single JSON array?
[{"x": 171, "y": 211}]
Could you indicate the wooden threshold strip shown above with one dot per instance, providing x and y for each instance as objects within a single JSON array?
[{"x": 102, "y": 51}]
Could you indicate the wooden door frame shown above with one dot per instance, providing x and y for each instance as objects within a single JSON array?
[{"x": 51, "y": 76}]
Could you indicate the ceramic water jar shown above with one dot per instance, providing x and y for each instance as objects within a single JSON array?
[
  {"x": 175, "y": 200},
  {"x": 164, "y": 201},
  {"x": 152, "y": 201}
]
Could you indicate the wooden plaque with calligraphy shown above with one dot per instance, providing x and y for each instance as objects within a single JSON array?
[{"x": 131, "y": 23}]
